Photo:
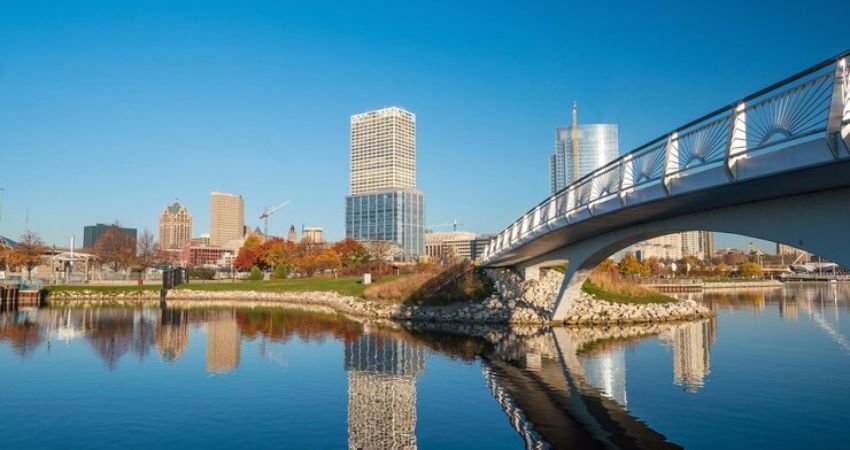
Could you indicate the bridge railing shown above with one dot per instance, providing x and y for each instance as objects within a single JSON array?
[{"x": 779, "y": 128}]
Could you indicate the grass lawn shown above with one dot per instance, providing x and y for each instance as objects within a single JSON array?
[
  {"x": 616, "y": 297},
  {"x": 343, "y": 285}
]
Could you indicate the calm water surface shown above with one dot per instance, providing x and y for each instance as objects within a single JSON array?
[{"x": 771, "y": 371}]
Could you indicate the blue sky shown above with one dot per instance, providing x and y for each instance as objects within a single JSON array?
[{"x": 111, "y": 110}]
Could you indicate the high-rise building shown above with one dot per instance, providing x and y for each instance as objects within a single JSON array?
[
  {"x": 579, "y": 150},
  {"x": 227, "y": 222},
  {"x": 93, "y": 233},
  {"x": 699, "y": 244},
  {"x": 384, "y": 204},
  {"x": 175, "y": 227},
  {"x": 292, "y": 236}
]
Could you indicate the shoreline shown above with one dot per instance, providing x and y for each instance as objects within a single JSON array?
[{"x": 504, "y": 308}]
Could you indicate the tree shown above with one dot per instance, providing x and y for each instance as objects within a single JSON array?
[
  {"x": 605, "y": 266},
  {"x": 147, "y": 251},
  {"x": 629, "y": 266},
  {"x": 28, "y": 252},
  {"x": 749, "y": 270},
  {"x": 382, "y": 251},
  {"x": 256, "y": 274},
  {"x": 281, "y": 272},
  {"x": 116, "y": 248},
  {"x": 351, "y": 253},
  {"x": 278, "y": 252},
  {"x": 246, "y": 259}
]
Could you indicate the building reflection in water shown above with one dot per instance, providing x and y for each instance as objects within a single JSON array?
[
  {"x": 223, "y": 342},
  {"x": 607, "y": 372},
  {"x": 382, "y": 392},
  {"x": 691, "y": 344},
  {"x": 172, "y": 334}
]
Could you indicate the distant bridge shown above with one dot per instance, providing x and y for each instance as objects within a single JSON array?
[{"x": 774, "y": 165}]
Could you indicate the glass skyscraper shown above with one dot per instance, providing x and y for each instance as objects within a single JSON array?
[
  {"x": 384, "y": 204},
  {"x": 597, "y": 145}
]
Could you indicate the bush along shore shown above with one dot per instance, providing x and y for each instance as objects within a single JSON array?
[{"x": 514, "y": 301}]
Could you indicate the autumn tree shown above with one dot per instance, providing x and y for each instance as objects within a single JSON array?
[
  {"x": 28, "y": 252},
  {"x": 278, "y": 252},
  {"x": 116, "y": 248},
  {"x": 246, "y": 259},
  {"x": 629, "y": 266},
  {"x": 749, "y": 270},
  {"x": 351, "y": 253}
]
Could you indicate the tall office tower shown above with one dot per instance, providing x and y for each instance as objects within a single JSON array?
[
  {"x": 384, "y": 204},
  {"x": 579, "y": 150},
  {"x": 699, "y": 244},
  {"x": 175, "y": 227},
  {"x": 382, "y": 392},
  {"x": 227, "y": 222},
  {"x": 292, "y": 236}
]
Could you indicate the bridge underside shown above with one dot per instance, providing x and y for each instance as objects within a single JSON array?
[{"x": 772, "y": 209}]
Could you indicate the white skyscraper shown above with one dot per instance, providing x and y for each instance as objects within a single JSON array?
[{"x": 384, "y": 204}]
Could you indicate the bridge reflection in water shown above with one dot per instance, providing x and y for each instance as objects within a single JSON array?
[
  {"x": 566, "y": 387},
  {"x": 562, "y": 387}
]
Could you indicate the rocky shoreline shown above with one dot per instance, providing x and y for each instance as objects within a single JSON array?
[{"x": 516, "y": 302}]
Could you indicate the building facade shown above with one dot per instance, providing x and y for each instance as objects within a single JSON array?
[
  {"x": 383, "y": 150},
  {"x": 667, "y": 247},
  {"x": 595, "y": 146},
  {"x": 175, "y": 227},
  {"x": 699, "y": 244},
  {"x": 92, "y": 233},
  {"x": 457, "y": 245},
  {"x": 383, "y": 203},
  {"x": 227, "y": 218},
  {"x": 316, "y": 235},
  {"x": 395, "y": 216}
]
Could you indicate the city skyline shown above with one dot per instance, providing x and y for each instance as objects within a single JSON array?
[{"x": 265, "y": 113}]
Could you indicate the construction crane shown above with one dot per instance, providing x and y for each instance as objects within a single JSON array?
[
  {"x": 269, "y": 211},
  {"x": 454, "y": 224}
]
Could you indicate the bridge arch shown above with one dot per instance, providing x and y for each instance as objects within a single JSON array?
[{"x": 818, "y": 223}]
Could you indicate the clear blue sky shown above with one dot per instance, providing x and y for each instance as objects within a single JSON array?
[{"x": 110, "y": 110}]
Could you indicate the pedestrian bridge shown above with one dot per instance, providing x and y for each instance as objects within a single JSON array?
[{"x": 774, "y": 165}]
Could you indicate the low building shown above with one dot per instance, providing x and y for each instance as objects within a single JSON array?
[
  {"x": 315, "y": 235},
  {"x": 203, "y": 239},
  {"x": 205, "y": 255},
  {"x": 667, "y": 247},
  {"x": 458, "y": 245}
]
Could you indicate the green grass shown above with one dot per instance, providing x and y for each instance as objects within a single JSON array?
[
  {"x": 343, "y": 285},
  {"x": 649, "y": 297}
]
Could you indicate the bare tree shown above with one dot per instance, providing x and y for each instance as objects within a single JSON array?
[
  {"x": 116, "y": 248},
  {"x": 147, "y": 250},
  {"x": 28, "y": 252},
  {"x": 383, "y": 251}
]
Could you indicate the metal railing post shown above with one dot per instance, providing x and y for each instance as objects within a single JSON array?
[
  {"x": 737, "y": 135},
  {"x": 671, "y": 161}
]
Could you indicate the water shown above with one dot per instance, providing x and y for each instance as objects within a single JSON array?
[{"x": 771, "y": 371}]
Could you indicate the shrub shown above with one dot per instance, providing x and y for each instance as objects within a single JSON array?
[
  {"x": 281, "y": 272},
  {"x": 256, "y": 274},
  {"x": 201, "y": 273}
]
